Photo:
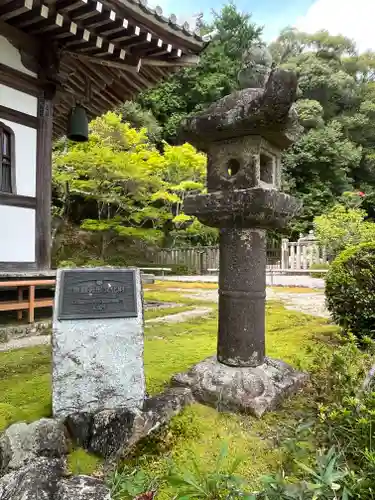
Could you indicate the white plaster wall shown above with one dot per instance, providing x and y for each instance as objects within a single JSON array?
[
  {"x": 17, "y": 234},
  {"x": 15, "y": 99},
  {"x": 11, "y": 57},
  {"x": 25, "y": 138}
]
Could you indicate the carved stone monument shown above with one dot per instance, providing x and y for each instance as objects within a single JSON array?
[
  {"x": 243, "y": 135},
  {"x": 97, "y": 341}
]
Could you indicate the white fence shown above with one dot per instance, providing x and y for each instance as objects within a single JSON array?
[
  {"x": 302, "y": 254},
  {"x": 291, "y": 255}
]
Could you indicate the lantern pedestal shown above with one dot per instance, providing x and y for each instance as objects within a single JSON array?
[{"x": 254, "y": 390}]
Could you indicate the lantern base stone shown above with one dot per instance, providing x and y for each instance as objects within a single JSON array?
[{"x": 253, "y": 390}]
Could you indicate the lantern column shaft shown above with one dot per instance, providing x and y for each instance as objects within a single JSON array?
[{"x": 242, "y": 294}]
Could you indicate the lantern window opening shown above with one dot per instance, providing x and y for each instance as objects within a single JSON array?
[{"x": 266, "y": 163}]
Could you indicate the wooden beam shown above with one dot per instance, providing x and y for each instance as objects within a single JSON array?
[
  {"x": 18, "y": 117},
  {"x": 140, "y": 15},
  {"x": 44, "y": 182},
  {"x": 16, "y": 8},
  {"x": 68, "y": 5},
  {"x": 34, "y": 17},
  {"x": 17, "y": 200},
  {"x": 19, "y": 39},
  {"x": 188, "y": 60},
  {"x": 111, "y": 64},
  {"x": 19, "y": 80}
]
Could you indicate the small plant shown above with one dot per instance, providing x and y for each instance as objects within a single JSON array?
[
  {"x": 350, "y": 290},
  {"x": 325, "y": 481},
  {"x": 218, "y": 484},
  {"x": 132, "y": 484}
]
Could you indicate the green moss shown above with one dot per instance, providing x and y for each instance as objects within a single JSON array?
[
  {"x": 169, "y": 348},
  {"x": 81, "y": 462},
  {"x": 200, "y": 431},
  {"x": 167, "y": 296},
  {"x": 25, "y": 385},
  {"x": 159, "y": 285},
  {"x": 165, "y": 311}
]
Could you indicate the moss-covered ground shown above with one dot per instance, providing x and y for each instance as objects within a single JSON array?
[{"x": 25, "y": 391}]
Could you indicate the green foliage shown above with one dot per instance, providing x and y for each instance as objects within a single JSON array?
[
  {"x": 121, "y": 187},
  {"x": 350, "y": 290},
  {"x": 220, "y": 483},
  {"x": 318, "y": 266},
  {"x": 215, "y": 75},
  {"x": 180, "y": 269},
  {"x": 325, "y": 480},
  {"x": 130, "y": 483},
  {"x": 336, "y": 106},
  {"x": 342, "y": 227},
  {"x": 310, "y": 113},
  {"x": 317, "y": 168},
  {"x": 140, "y": 118}
]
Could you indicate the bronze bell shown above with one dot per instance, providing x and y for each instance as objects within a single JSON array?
[{"x": 78, "y": 125}]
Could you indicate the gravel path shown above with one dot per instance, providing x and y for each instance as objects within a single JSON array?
[
  {"x": 302, "y": 281},
  {"x": 307, "y": 302},
  {"x": 25, "y": 342}
]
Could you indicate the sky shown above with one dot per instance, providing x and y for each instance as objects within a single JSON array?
[{"x": 352, "y": 18}]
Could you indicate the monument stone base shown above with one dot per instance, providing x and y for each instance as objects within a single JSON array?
[{"x": 252, "y": 390}]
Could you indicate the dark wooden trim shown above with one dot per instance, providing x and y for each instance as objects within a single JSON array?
[
  {"x": 17, "y": 200},
  {"x": 44, "y": 182},
  {"x": 18, "y": 266},
  {"x": 19, "y": 81},
  {"x": 18, "y": 117},
  {"x": 19, "y": 39}
]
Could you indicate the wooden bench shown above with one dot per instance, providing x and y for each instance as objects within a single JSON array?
[{"x": 29, "y": 304}]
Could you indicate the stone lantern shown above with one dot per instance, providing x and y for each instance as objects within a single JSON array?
[{"x": 243, "y": 135}]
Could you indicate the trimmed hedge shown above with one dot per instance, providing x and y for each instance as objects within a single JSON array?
[{"x": 350, "y": 290}]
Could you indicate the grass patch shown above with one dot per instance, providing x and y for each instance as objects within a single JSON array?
[
  {"x": 158, "y": 312},
  {"x": 160, "y": 285},
  {"x": 167, "y": 296}
]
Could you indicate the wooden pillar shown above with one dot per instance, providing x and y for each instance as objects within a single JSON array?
[{"x": 44, "y": 182}]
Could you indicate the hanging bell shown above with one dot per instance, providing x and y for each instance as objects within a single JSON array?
[{"x": 78, "y": 125}]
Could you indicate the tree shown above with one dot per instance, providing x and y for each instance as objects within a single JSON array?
[
  {"x": 336, "y": 105},
  {"x": 215, "y": 76},
  {"x": 119, "y": 185}
]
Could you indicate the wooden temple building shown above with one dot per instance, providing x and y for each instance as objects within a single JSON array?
[{"x": 53, "y": 55}]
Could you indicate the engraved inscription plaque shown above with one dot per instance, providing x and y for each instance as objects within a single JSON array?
[{"x": 91, "y": 294}]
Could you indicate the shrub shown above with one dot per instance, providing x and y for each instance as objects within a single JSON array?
[
  {"x": 350, "y": 290},
  {"x": 318, "y": 267},
  {"x": 342, "y": 227},
  {"x": 180, "y": 269}
]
